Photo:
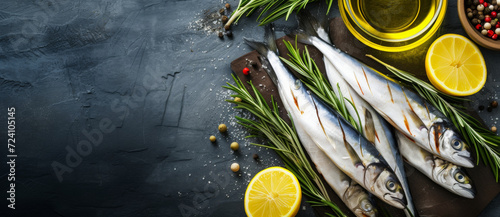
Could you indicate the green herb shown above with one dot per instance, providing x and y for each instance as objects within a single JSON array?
[
  {"x": 318, "y": 84},
  {"x": 272, "y": 9},
  {"x": 484, "y": 141},
  {"x": 283, "y": 139}
]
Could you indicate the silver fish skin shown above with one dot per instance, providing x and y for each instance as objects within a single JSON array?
[
  {"x": 351, "y": 193},
  {"x": 375, "y": 128},
  {"x": 349, "y": 150},
  {"x": 402, "y": 108},
  {"x": 446, "y": 174}
]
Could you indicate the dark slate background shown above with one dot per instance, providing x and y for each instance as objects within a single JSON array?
[{"x": 135, "y": 88}]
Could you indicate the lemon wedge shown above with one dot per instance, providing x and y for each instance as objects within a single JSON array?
[
  {"x": 455, "y": 65},
  {"x": 274, "y": 191}
]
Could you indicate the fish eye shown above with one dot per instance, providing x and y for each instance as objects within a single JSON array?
[
  {"x": 456, "y": 144},
  {"x": 460, "y": 177},
  {"x": 297, "y": 84},
  {"x": 366, "y": 206},
  {"x": 391, "y": 185}
]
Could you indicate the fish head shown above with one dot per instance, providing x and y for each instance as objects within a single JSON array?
[
  {"x": 451, "y": 144},
  {"x": 457, "y": 179},
  {"x": 359, "y": 202},
  {"x": 387, "y": 187}
]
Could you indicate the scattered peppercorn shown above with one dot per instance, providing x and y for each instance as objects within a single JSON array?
[
  {"x": 251, "y": 63},
  {"x": 224, "y": 19},
  {"x": 228, "y": 6},
  {"x": 221, "y": 11},
  {"x": 255, "y": 156},
  {"x": 494, "y": 104},
  {"x": 229, "y": 33},
  {"x": 237, "y": 99},
  {"x": 212, "y": 138},
  {"x": 481, "y": 107},
  {"x": 235, "y": 167},
  {"x": 246, "y": 71},
  {"x": 221, "y": 35},
  {"x": 494, "y": 129},
  {"x": 222, "y": 128},
  {"x": 235, "y": 146}
]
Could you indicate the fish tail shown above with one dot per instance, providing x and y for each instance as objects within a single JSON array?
[
  {"x": 263, "y": 49},
  {"x": 309, "y": 22},
  {"x": 269, "y": 38},
  {"x": 307, "y": 28}
]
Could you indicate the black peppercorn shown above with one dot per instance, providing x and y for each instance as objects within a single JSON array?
[
  {"x": 494, "y": 104},
  {"x": 221, "y": 35},
  {"x": 255, "y": 156},
  {"x": 229, "y": 33},
  {"x": 221, "y": 11},
  {"x": 487, "y": 10},
  {"x": 224, "y": 19},
  {"x": 476, "y": 2},
  {"x": 481, "y": 17},
  {"x": 475, "y": 21},
  {"x": 474, "y": 12}
]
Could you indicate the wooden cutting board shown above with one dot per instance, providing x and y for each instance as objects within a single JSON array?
[{"x": 429, "y": 198}]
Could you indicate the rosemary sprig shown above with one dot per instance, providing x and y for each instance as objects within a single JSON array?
[
  {"x": 484, "y": 141},
  {"x": 318, "y": 84},
  {"x": 283, "y": 139},
  {"x": 273, "y": 9}
]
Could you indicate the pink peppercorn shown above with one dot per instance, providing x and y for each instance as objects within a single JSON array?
[
  {"x": 246, "y": 71},
  {"x": 490, "y": 33}
]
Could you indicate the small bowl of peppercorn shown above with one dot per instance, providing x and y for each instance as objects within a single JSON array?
[{"x": 480, "y": 19}]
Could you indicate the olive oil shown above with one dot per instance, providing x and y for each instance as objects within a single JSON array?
[
  {"x": 390, "y": 16},
  {"x": 393, "y": 25},
  {"x": 395, "y": 20}
]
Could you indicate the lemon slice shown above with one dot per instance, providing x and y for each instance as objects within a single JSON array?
[
  {"x": 455, "y": 65},
  {"x": 274, "y": 191}
]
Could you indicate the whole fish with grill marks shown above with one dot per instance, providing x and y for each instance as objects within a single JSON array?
[
  {"x": 375, "y": 128},
  {"x": 448, "y": 175},
  {"x": 351, "y": 193},
  {"x": 345, "y": 147},
  {"x": 401, "y": 107}
]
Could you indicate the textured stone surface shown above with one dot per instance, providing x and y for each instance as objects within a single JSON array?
[{"x": 152, "y": 71}]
